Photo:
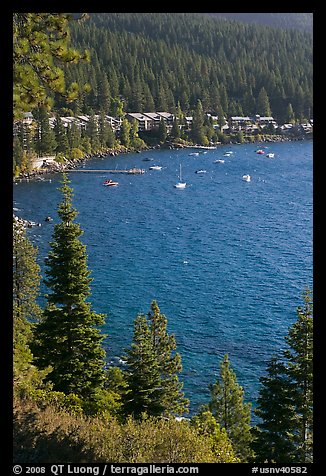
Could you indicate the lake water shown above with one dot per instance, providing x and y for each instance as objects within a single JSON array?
[{"x": 227, "y": 260}]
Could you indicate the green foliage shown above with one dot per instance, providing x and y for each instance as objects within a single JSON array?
[
  {"x": 125, "y": 133},
  {"x": 169, "y": 362},
  {"x": 197, "y": 127},
  {"x": 26, "y": 282},
  {"x": 143, "y": 374},
  {"x": 228, "y": 407},
  {"x": 47, "y": 434},
  {"x": 67, "y": 338},
  {"x": 40, "y": 45},
  {"x": 285, "y": 402},
  {"x": 45, "y": 141},
  {"x": 153, "y": 365},
  {"x": 207, "y": 425}
]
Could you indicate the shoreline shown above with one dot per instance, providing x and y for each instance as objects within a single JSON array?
[{"x": 54, "y": 167}]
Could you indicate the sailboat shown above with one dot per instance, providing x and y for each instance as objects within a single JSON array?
[{"x": 180, "y": 184}]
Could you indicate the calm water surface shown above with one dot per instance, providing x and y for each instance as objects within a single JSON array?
[{"x": 227, "y": 260}]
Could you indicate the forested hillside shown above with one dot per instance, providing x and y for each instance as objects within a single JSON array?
[
  {"x": 152, "y": 61},
  {"x": 298, "y": 21}
]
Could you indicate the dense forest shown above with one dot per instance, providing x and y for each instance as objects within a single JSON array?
[
  {"x": 298, "y": 21},
  {"x": 168, "y": 59}
]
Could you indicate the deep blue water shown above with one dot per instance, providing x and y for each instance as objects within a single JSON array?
[{"x": 227, "y": 260}]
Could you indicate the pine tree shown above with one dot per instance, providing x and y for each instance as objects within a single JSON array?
[
  {"x": 74, "y": 136},
  {"x": 299, "y": 358},
  {"x": 144, "y": 384},
  {"x": 290, "y": 114},
  {"x": 45, "y": 139},
  {"x": 60, "y": 136},
  {"x": 162, "y": 133},
  {"x": 175, "y": 131},
  {"x": 169, "y": 363},
  {"x": 40, "y": 47},
  {"x": 67, "y": 337},
  {"x": 263, "y": 105},
  {"x": 92, "y": 132},
  {"x": 197, "y": 130},
  {"x": 275, "y": 408},
  {"x": 125, "y": 133},
  {"x": 285, "y": 402},
  {"x": 228, "y": 407},
  {"x": 26, "y": 283}
]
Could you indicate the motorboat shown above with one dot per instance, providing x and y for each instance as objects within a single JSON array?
[
  {"x": 246, "y": 177},
  {"x": 110, "y": 183},
  {"x": 270, "y": 155},
  {"x": 219, "y": 161},
  {"x": 155, "y": 167},
  {"x": 260, "y": 151},
  {"x": 201, "y": 171}
]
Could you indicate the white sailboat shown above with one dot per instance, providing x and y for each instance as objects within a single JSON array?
[{"x": 180, "y": 184}]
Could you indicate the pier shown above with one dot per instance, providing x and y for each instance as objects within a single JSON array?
[{"x": 115, "y": 171}]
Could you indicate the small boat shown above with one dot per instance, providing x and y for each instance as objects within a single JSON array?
[
  {"x": 201, "y": 171},
  {"x": 260, "y": 151},
  {"x": 270, "y": 155},
  {"x": 194, "y": 153},
  {"x": 180, "y": 184},
  {"x": 148, "y": 159},
  {"x": 227, "y": 154},
  {"x": 155, "y": 167},
  {"x": 246, "y": 177},
  {"x": 110, "y": 183},
  {"x": 219, "y": 161}
]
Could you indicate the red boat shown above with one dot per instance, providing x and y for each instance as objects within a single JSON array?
[
  {"x": 110, "y": 183},
  {"x": 260, "y": 151}
]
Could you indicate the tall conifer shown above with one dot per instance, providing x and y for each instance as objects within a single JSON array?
[
  {"x": 169, "y": 362},
  {"x": 228, "y": 407},
  {"x": 285, "y": 402},
  {"x": 67, "y": 337},
  {"x": 144, "y": 385},
  {"x": 26, "y": 282}
]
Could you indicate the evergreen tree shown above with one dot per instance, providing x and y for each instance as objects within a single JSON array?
[
  {"x": 125, "y": 133},
  {"x": 40, "y": 47},
  {"x": 228, "y": 407},
  {"x": 92, "y": 132},
  {"x": 197, "y": 130},
  {"x": 290, "y": 114},
  {"x": 17, "y": 155},
  {"x": 103, "y": 130},
  {"x": 104, "y": 94},
  {"x": 67, "y": 337},
  {"x": 162, "y": 133},
  {"x": 275, "y": 408},
  {"x": 74, "y": 136},
  {"x": 263, "y": 105},
  {"x": 169, "y": 363},
  {"x": 285, "y": 402},
  {"x": 60, "y": 137},
  {"x": 45, "y": 139},
  {"x": 144, "y": 384},
  {"x": 175, "y": 131},
  {"x": 26, "y": 282}
]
